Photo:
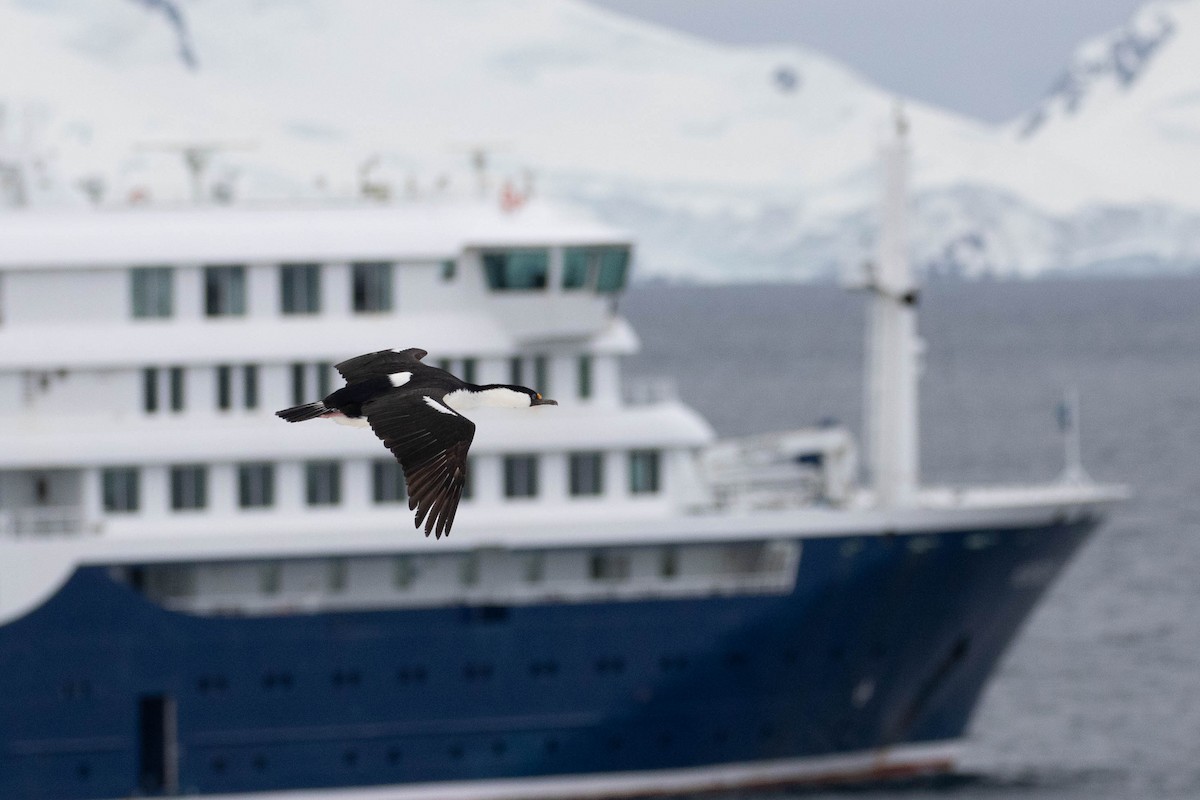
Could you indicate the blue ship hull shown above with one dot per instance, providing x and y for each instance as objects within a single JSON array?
[{"x": 879, "y": 644}]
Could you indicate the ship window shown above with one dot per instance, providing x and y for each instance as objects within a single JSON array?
[
  {"x": 300, "y": 288},
  {"x": 477, "y": 671},
  {"x": 587, "y": 474},
  {"x": 224, "y": 291},
  {"x": 644, "y": 471},
  {"x": 150, "y": 390},
  {"x": 469, "y": 368},
  {"x": 120, "y": 488},
  {"x": 449, "y": 268},
  {"x": 520, "y": 476},
  {"x": 250, "y": 385},
  {"x": 270, "y": 577},
  {"x": 404, "y": 572},
  {"x": 577, "y": 267},
  {"x": 468, "y": 569},
  {"x": 609, "y": 566},
  {"x": 189, "y": 487},
  {"x": 151, "y": 290},
  {"x": 516, "y": 269},
  {"x": 387, "y": 481},
  {"x": 603, "y": 268},
  {"x": 338, "y": 575},
  {"x": 541, "y": 374},
  {"x": 323, "y": 483},
  {"x": 614, "y": 267},
  {"x": 543, "y": 668},
  {"x": 468, "y": 482},
  {"x": 224, "y": 387},
  {"x": 668, "y": 566},
  {"x": 176, "y": 386},
  {"x": 516, "y": 371},
  {"x": 585, "y": 377},
  {"x": 411, "y": 674},
  {"x": 372, "y": 286},
  {"x": 610, "y": 665},
  {"x": 324, "y": 375},
  {"x": 256, "y": 485},
  {"x": 298, "y": 390},
  {"x": 535, "y": 567}
]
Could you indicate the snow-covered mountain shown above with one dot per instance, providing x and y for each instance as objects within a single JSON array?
[{"x": 729, "y": 162}]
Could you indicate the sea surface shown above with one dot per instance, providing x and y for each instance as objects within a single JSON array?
[{"x": 1100, "y": 695}]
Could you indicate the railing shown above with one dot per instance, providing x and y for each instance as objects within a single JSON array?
[
  {"x": 790, "y": 469},
  {"x": 42, "y": 521}
]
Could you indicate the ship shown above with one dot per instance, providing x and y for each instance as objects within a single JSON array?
[{"x": 197, "y": 600}]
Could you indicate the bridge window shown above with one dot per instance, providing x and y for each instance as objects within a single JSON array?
[
  {"x": 300, "y": 288},
  {"x": 604, "y": 269},
  {"x": 614, "y": 270},
  {"x": 151, "y": 290},
  {"x": 517, "y": 269}
]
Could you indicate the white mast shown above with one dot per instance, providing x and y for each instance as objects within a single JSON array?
[{"x": 892, "y": 342}]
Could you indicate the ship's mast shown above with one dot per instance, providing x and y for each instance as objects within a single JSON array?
[{"x": 892, "y": 342}]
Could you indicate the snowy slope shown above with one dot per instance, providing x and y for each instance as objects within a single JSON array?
[
  {"x": 728, "y": 162},
  {"x": 1128, "y": 107}
]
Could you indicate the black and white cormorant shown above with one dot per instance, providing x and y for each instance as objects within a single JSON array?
[{"x": 414, "y": 409}]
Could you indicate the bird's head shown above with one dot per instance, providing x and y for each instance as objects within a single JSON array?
[{"x": 536, "y": 399}]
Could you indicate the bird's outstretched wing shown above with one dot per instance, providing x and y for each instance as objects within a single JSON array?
[
  {"x": 383, "y": 362},
  {"x": 430, "y": 441}
]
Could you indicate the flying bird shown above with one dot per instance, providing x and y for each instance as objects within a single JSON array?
[{"x": 414, "y": 408}]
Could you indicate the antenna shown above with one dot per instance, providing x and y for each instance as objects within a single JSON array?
[
  {"x": 893, "y": 346},
  {"x": 1068, "y": 426},
  {"x": 196, "y": 158},
  {"x": 480, "y": 156}
]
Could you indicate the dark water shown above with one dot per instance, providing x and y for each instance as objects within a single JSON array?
[{"x": 1100, "y": 696}]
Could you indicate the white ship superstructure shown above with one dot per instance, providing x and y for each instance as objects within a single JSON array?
[{"x": 196, "y": 598}]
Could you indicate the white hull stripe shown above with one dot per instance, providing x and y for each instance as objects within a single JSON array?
[{"x": 898, "y": 762}]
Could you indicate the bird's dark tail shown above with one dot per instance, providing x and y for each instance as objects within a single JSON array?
[{"x": 301, "y": 413}]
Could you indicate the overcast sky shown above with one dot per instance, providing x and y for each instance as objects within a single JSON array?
[{"x": 990, "y": 59}]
